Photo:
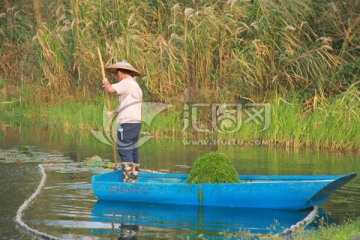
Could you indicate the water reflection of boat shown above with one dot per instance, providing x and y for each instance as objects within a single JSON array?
[
  {"x": 201, "y": 219},
  {"x": 273, "y": 192}
]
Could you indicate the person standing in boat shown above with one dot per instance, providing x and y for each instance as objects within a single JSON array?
[{"x": 129, "y": 116}]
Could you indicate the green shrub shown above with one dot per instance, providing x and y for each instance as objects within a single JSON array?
[{"x": 213, "y": 168}]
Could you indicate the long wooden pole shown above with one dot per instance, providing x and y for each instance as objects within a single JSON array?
[
  {"x": 108, "y": 103},
  {"x": 103, "y": 77}
]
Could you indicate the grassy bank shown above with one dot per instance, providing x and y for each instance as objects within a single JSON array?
[
  {"x": 346, "y": 231},
  {"x": 332, "y": 125},
  {"x": 301, "y": 58}
]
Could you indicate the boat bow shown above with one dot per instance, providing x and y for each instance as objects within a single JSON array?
[{"x": 321, "y": 196}]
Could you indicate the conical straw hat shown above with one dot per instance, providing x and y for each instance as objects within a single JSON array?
[{"x": 122, "y": 65}]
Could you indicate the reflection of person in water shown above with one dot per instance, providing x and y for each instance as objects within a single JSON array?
[{"x": 129, "y": 231}]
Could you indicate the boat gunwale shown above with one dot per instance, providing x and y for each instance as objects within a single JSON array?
[{"x": 244, "y": 179}]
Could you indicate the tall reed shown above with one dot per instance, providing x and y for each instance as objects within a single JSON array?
[
  {"x": 193, "y": 51},
  {"x": 217, "y": 49}
]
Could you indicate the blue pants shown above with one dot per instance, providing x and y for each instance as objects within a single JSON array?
[{"x": 128, "y": 137}]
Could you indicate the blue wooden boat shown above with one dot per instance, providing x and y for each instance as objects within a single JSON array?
[{"x": 272, "y": 192}]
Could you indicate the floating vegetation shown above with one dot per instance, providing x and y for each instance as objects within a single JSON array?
[
  {"x": 94, "y": 161},
  {"x": 97, "y": 164},
  {"x": 213, "y": 168},
  {"x": 54, "y": 161},
  {"x": 24, "y": 149},
  {"x": 182, "y": 166},
  {"x": 27, "y": 155}
]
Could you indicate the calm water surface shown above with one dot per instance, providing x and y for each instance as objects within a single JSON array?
[{"x": 68, "y": 209}]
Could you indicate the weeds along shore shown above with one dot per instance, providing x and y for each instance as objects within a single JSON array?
[
  {"x": 301, "y": 58},
  {"x": 332, "y": 125}
]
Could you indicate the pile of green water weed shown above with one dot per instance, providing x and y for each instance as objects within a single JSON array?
[{"x": 213, "y": 167}]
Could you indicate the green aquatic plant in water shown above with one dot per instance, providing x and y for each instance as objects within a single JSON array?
[
  {"x": 213, "y": 168},
  {"x": 54, "y": 161},
  {"x": 96, "y": 161}
]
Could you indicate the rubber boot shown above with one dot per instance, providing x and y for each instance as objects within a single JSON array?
[
  {"x": 134, "y": 172},
  {"x": 127, "y": 171}
]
